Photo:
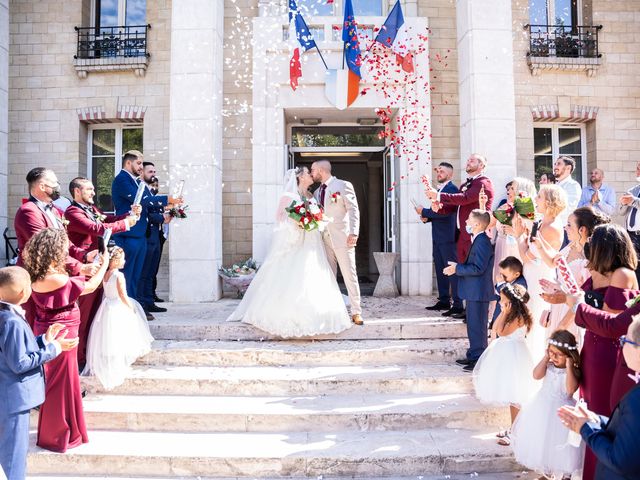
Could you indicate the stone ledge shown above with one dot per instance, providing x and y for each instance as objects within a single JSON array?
[
  {"x": 539, "y": 64},
  {"x": 136, "y": 64}
]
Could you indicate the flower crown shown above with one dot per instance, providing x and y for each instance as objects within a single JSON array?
[
  {"x": 514, "y": 292},
  {"x": 555, "y": 343}
]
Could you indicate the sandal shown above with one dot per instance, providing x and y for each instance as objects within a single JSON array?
[
  {"x": 502, "y": 434},
  {"x": 504, "y": 441}
]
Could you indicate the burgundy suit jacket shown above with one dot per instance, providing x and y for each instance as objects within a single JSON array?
[
  {"x": 611, "y": 325},
  {"x": 30, "y": 220},
  {"x": 467, "y": 199},
  {"x": 84, "y": 230}
]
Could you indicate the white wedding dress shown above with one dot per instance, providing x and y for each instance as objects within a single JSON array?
[
  {"x": 294, "y": 293},
  {"x": 118, "y": 337}
]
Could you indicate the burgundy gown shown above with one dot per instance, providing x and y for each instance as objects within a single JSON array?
[
  {"x": 598, "y": 360},
  {"x": 61, "y": 424}
]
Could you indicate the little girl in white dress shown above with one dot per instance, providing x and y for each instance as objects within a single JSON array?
[
  {"x": 502, "y": 375},
  {"x": 538, "y": 437},
  {"x": 119, "y": 333}
]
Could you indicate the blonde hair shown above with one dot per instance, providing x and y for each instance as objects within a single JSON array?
[{"x": 555, "y": 197}]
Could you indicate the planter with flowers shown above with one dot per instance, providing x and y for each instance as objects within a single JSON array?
[{"x": 239, "y": 275}]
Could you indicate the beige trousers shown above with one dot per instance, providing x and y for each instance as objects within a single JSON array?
[{"x": 345, "y": 258}]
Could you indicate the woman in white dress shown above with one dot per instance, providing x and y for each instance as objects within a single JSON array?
[
  {"x": 294, "y": 293},
  {"x": 119, "y": 333},
  {"x": 550, "y": 202}
]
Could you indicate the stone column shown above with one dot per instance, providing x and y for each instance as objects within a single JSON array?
[
  {"x": 486, "y": 86},
  {"x": 4, "y": 115},
  {"x": 195, "y": 147}
]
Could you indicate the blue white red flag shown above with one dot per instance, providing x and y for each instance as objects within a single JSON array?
[
  {"x": 351, "y": 52},
  {"x": 300, "y": 39},
  {"x": 393, "y": 34}
]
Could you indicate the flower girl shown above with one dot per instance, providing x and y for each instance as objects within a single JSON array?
[
  {"x": 539, "y": 439},
  {"x": 119, "y": 333},
  {"x": 502, "y": 375}
]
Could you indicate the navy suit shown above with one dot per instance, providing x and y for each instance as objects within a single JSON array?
[
  {"x": 21, "y": 387},
  {"x": 475, "y": 285},
  {"x": 134, "y": 241},
  {"x": 152, "y": 257},
  {"x": 443, "y": 237},
  {"x": 615, "y": 442}
]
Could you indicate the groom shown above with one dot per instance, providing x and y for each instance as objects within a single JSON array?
[{"x": 341, "y": 234}]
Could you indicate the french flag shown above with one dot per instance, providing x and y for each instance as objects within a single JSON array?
[
  {"x": 393, "y": 34},
  {"x": 300, "y": 39}
]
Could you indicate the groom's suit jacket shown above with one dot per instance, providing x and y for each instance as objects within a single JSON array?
[{"x": 341, "y": 205}]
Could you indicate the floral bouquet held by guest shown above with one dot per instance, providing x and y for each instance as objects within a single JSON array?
[
  {"x": 522, "y": 205},
  {"x": 178, "y": 211}
]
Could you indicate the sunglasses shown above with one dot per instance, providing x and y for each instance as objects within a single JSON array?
[{"x": 623, "y": 339}]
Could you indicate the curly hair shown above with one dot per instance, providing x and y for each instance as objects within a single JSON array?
[
  {"x": 115, "y": 254},
  {"x": 555, "y": 197},
  {"x": 565, "y": 337},
  {"x": 47, "y": 249},
  {"x": 518, "y": 296}
]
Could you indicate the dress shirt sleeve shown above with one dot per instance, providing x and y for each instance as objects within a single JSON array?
[
  {"x": 585, "y": 198},
  {"x": 13, "y": 347},
  {"x": 608, "y": 201}
]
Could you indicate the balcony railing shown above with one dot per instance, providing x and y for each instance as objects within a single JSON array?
[
  {"x": 563, "y": 41},
  {"x": 112, "y": 48}
]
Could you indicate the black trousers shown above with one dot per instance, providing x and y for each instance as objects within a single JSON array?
[{"x": 635, "y": 239}]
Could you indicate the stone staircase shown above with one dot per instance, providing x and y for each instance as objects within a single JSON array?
[{"x": 223, "y": 400}]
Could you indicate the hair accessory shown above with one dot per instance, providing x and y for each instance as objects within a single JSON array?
[
  {"x": 555, "y": 343},
  {"x": 513, "y": 292}
]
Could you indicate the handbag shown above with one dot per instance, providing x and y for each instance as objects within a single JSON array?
[{"x": 595, "y": 299}]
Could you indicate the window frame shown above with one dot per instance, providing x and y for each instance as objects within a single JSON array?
[
  {"x": 122, "y": 13},
  {"x": 555, "y": 144},
  {"x": 551, "y": 10},
  {"x": 118, "y": 153}
]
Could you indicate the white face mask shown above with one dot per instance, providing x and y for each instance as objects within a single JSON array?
[{"x": 638, "y": 179}]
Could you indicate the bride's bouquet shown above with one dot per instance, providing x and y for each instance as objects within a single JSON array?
[
  {"x": 522, "y": 205},
  {"x": 308, "y": 215}
]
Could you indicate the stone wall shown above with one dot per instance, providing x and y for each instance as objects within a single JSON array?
[
  {"x": 4, "y": 119},
  {"x": 613, "y": 139},
  {"x": 45, "y": 91}
]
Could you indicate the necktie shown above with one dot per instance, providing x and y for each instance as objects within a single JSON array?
[
  {"x": 632, "y": 218},
  {"x": 323, "y": 189}
]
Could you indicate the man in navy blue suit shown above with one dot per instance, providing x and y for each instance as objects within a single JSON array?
[
  {"x": 614, "y": 441},
  {"x": 475, "y": 285},
  {"x": 134, "y": 241},
  {"x": 443, "y": 236},
  {"x": 21, "y": 375}
]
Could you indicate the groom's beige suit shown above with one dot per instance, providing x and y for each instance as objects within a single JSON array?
[{"x": 341, "y": 205}]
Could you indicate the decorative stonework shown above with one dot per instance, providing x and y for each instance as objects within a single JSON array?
[
  {"x": 136, "y": 64},
  {"x": 92, "y": 114},
  {"x": 131, "y": 113},
  {"x": 539, "y": 64},
  {"x": 544, "y": 112},
  {"x": 551, "y": 113}
]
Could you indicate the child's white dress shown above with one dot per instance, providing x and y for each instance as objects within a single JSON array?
[
  {"x": 538, "y": 437},
  {"x": 118, "y": 336},
  {"x": 504, "y": 372}
]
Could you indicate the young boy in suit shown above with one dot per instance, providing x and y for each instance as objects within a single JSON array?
[
  {"x": 475, "y": 285},
  {"x": 510, "y": 271},
  {"x": 21, "y": 375}
]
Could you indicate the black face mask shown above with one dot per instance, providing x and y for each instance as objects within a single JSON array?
[
  {"x": 587, "y": 250},
  {"x": 154, "y": 191},
  {"x": 55, "y": 194}
]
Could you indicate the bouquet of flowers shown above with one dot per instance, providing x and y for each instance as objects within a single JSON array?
[
  {"x": 248, "y": 267},
  {"x": 308, "y": 215},
  {"x": 522, "y": 205},
  {"x": 179, "y": 211}
]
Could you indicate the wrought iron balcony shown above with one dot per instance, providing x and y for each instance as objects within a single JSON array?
[
  {"x": 563, "y": 47},
  {"x": 112, "y": 48}
]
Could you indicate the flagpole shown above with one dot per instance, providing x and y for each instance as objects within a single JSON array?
[{"x": 321, "y": 57}]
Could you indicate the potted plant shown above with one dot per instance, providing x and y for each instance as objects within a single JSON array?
[{"x": 239, "y": 275}]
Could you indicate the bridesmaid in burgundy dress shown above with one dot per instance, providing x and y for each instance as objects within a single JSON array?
[
  {"x": 612, "y": 262},
  {"x": 61, "y": 424}
]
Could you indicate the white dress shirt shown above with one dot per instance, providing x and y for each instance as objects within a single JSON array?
[{"x": 574, "y": 192}]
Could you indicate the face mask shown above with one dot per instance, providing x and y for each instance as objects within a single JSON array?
[
  {"x": 469, "y": 229},
  {"x": 55, "y": 194},
  {"x": 154, "y": 191},
  {"x": 587, "y": 250},
  {"x": 637, "y": 179}
]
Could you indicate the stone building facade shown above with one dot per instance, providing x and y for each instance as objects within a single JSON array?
[{"x": 211, "y": 104}]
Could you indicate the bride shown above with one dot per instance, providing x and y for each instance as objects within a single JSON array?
[{"x": 294, "y": 293}]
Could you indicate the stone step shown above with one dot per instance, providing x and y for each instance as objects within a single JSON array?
[
  {"x": 272, "y": 381},
  {"x": 395, "y": 318},
  {"x": 357, "y": 454},
  {"x": 293, "y": 414},
  {"x": 304, "y": 352},
  {"x": 517, "y": 475}
]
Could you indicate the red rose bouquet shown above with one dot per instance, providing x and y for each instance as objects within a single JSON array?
[
  {"x": 178, "y": 211},
  {"x": 522, "y": 205},
  {"x": 308, "y": 215}
]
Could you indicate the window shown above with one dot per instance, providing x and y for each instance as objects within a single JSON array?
[
  {"x": 107, "y": 144},
  {"x": 371, "y": 8},
  {"x": 115, "y": 13},
  {"x": 365, "y": 35},
  {"x": 337, "y": 136},
  {"x": 316, "y": 31},
  {"x": 563, "y": 13},
  {"x": 312, "y": 8},
  {"x": 552, "y": 141}
]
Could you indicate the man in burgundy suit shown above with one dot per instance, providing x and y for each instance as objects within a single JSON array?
[
  {"x": 38, "y": 213},
  {"x": 466, "y": 200},
  {"x": 86, "y": 224}
]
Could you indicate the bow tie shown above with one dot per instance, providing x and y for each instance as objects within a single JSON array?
[
  {"x": 469, "y": 180},
  {"x": 48, "y": 206}
]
